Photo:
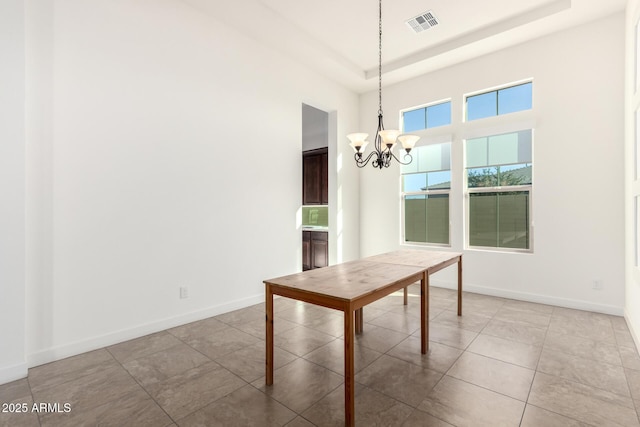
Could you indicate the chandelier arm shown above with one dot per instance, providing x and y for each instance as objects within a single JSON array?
[
  {"x": 378, "y": 139},
  {"x": 377, "y": 143},
  {"x": 362, "y": 163},
  {"x": 405, "y": 156}
]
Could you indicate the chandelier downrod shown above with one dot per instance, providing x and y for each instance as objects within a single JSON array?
[{"x": 384, "y": 140}]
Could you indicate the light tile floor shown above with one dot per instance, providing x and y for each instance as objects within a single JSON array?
[{"x": 503, "y": 363}]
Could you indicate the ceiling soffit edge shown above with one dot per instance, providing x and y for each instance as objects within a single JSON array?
[{"x": 502, "y": 26}]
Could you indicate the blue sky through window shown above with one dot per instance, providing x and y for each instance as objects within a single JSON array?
[
  {"x": 516, "y": 98},
  {"x": 498, "y": 102},
  {"x": 481, "y": 106},
  {"x": 429, "y": 180},
  {"x": 439, "y": 115},
  {"x": 414, "y": 182},
  {"x": 427, "y": 117},
  {"x": 415, "y": 120}
]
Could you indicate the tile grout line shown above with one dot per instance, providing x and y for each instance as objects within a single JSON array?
[
  {"x": 247, "y": 383},
  {"x": 384, "y": 310},
  {"x": 286, "y": 364},
  {"x": 33, "y": 399},
  {"x": 342, "y": 375},
  {"x": 535, "y": 371},
  {"x": 143, "y": 387},
  {"x": 577, "y": 381},
  {"x": 626, "y": 377},
  {"x": 463, "y": 351},
  {"x": 75, "y": 378}
]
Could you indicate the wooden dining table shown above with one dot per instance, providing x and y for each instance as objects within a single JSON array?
[{"x": 349, "y": 287}]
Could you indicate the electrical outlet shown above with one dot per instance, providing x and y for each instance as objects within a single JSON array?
[
  {"x": 597, "y": 285},
  {"x": 184, "y": 292}
]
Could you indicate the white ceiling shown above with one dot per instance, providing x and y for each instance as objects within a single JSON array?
[{"x": 340, "y": 37}]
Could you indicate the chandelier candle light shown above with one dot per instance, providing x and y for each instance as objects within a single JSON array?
[{"x": 385, "y": 140}]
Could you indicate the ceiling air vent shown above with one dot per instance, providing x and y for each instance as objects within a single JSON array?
[{"x": 422, "y": 22}]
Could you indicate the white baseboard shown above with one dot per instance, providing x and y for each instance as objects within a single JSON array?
[
  {"x": 60, "y": 352},
  {"x": 537, "y": 298},
  {"x": 71, "y": 349},
  {"x": 12, "y": 373}
]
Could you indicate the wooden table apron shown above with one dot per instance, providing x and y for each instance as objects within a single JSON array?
[{"x": 300, "y": 286}]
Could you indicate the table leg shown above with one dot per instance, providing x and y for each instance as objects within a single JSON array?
[
  {"x": 269, "y": 334},
  {"x": 460, "y": 286},
  {"x": 349, "y": 370},
  {"x": 406, "y": 296},
  {"x": 359, "y": 320},
  {"x": 424, "y": 313}
]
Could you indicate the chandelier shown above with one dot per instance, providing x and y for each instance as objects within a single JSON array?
[{"x": 385, "y": 140}]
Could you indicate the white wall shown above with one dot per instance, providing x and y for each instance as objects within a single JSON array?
[
  {"x": 578, "y": 175},
  {"x": 632, "y": 187},
  {"x": 164, "y": 152},
  {"x": 12, "y": 191}
]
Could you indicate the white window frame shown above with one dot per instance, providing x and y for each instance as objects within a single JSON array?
[
  {"x": 417, "y": 107},
  {"x": 497, "y": 189},
  {"x": 495, "y": 89},
  {"x": 426, "y": 192}
]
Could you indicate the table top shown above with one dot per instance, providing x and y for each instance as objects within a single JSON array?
[
  {"x": 353, "y": 280},
  {"x": 349, "y": 281},
  {"x": 429, "y": 260}
]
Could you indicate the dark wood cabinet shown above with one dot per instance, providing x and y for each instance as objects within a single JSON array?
[
  {"x": 315, "y": 249},
  {"x": 315, "y": 177},
  {"x": 306, "y": 250},
  {"x": 315, "y": 191},
  {"x": 319, "y": 249}
]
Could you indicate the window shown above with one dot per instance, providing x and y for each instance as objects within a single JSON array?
[
  {"x": 498, "y": 102},
  {"x": 426, "y": 183},
  {"x": 499, "y": 182},
  {"x": 427, "y": 117},
  {"x": 495, "y": 172}
]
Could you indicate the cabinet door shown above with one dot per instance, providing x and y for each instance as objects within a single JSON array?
[
  {"x": 311, "y": 170},
  {"x": 306, "y": 250},
  {"x": 319, "y": 249},
  {"x": 315, "y": 177},
  {"x": 324, "y": 178}
]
